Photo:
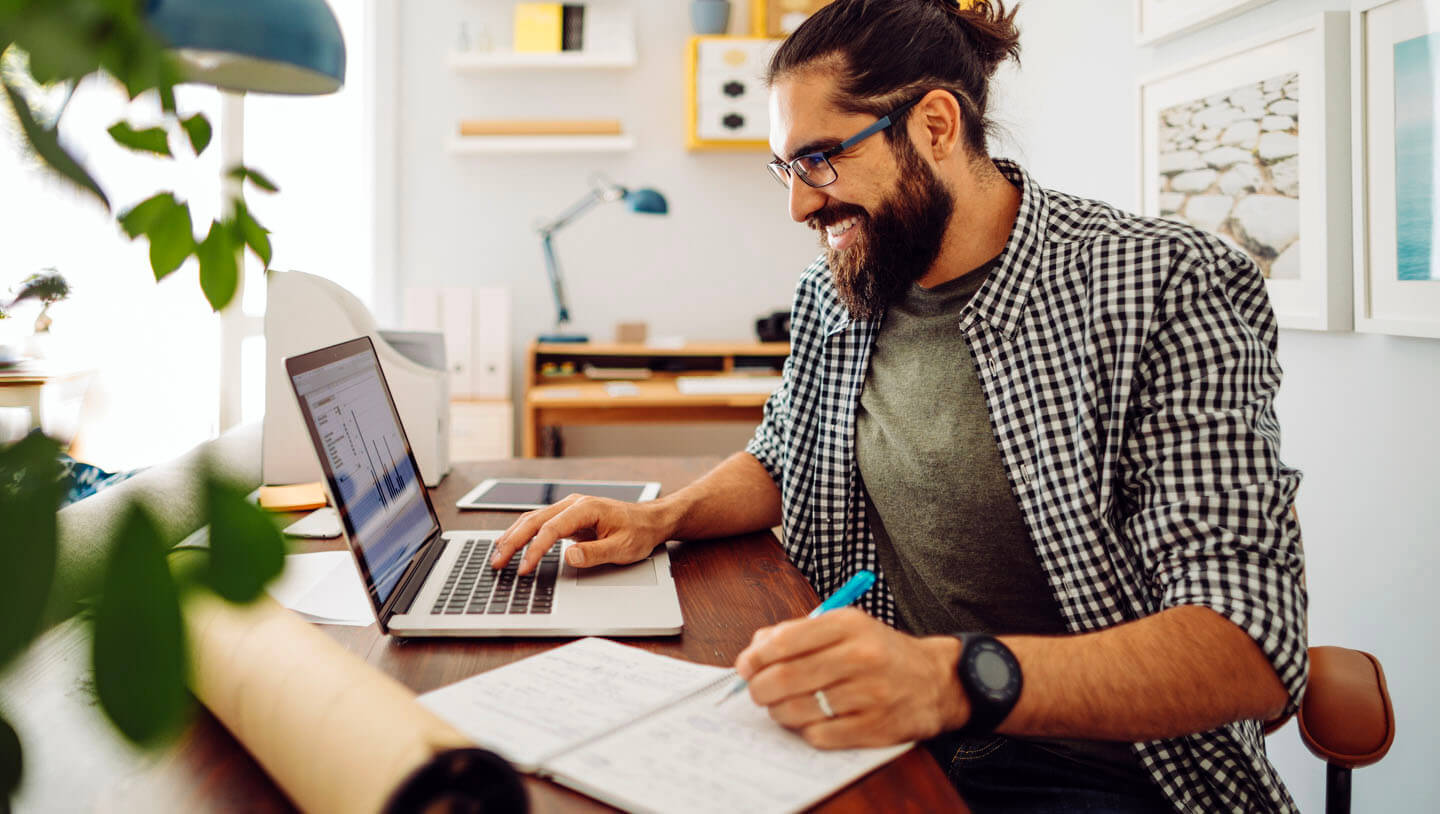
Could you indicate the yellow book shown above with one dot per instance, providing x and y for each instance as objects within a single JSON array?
[{"x": 538, "y": 27}]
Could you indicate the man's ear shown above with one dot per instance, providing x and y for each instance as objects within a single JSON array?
[{"x": 940, "y": 126}]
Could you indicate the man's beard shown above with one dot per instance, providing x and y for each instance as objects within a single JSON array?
[{"x": 896, "y": 245}]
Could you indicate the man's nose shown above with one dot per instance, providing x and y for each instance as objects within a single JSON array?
[{"x": 805, "y": 200}]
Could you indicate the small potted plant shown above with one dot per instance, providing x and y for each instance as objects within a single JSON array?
[{"x": 48, "y": 287}]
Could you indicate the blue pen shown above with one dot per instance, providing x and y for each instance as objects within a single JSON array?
[{"x": 848, "y": 593}]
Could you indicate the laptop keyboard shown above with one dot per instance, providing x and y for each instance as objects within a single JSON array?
[{"x": 473, "y": 587}]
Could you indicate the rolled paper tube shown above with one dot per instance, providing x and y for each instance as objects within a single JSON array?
[{"x": 335, "y": 733}]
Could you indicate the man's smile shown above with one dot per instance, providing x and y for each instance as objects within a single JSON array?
[{"x": 839, "y": 233}]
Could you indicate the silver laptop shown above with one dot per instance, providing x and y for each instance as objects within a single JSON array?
[{"x": 427, "y": 582}]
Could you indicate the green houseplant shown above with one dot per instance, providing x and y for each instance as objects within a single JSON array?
[{"x": 132, "y": 606}]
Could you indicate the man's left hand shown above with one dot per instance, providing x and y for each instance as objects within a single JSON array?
[{"x": 884, "y": 687}]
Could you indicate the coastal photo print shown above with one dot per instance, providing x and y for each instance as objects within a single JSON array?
[
  {"x": 1397, "y": 220},
  {"x": 1237, "y": 145},
  {"x": 1416, "y": 218}
]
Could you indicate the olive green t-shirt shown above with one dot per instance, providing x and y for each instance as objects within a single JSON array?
[{"x": 948, "y": 531}]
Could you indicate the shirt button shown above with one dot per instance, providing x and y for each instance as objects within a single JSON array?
[{"x": 1027, "y": 472}]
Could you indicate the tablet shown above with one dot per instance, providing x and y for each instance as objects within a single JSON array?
[{"x": 523, "y": 494}]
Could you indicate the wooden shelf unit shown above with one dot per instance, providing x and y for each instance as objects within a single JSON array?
[{"x": 552, "y": 401}]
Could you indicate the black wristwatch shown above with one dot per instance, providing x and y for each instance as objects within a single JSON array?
[{"x": 990, "y": 676}]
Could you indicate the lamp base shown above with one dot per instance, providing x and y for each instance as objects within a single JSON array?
[{"x": 563, "y": 338}]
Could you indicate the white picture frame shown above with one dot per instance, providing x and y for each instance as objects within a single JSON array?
[
  {"x": 1311, "y": 286},
  {"x": 1385, "y": 303},
  {"x": 1159, "y": 20}
]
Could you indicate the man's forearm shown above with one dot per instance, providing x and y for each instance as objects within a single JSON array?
[
  {"x": 1184, "y": 670},
  {"x": 736, "y": 497}
]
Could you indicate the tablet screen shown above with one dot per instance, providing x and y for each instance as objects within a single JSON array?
[{"x": 520, "y": 493}]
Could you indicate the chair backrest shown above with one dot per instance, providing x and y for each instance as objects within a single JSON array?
[{"x": 1346, "y": 717}]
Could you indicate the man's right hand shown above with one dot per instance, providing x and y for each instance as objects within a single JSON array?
[{"x": 608, "y": 532}]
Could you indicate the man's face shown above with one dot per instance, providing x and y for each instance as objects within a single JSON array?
[{"x": 882, "y": 221}]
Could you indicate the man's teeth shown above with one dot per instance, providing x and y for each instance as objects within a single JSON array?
[{"x": 838, "y": 229}]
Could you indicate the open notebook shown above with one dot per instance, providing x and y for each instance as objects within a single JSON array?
[{"x": 643, "y": 732}]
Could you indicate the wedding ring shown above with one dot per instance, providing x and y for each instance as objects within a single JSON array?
[{"x": 824, "y": 704}]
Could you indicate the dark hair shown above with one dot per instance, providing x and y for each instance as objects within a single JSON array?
[{"x": 888, "y": 51}]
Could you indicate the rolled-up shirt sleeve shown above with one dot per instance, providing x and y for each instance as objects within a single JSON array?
[
  {"x": 768, "y": 442},
  {"x": 1208, "y": 503}
]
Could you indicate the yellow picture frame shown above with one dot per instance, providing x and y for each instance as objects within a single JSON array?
[{"x": 693, "y": 139}]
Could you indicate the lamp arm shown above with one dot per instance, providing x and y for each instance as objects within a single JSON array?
[
  {"x": 580, "y": 207},
  {"x": 557, "y": 289}
]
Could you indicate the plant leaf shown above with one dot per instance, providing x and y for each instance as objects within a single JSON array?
[
  {"x": 171, "y": 240},
  {"x": 254, "y": 177},
  {"x": 11, "y": 764},
  {"x": 139, "y": 647},
  {"x": 137, "y": 219},
  {"x": 219, "y": 275},
  {"x": 251, "y": 233},
  {"x": 149, "y": 140},
  {"x": 30, "y": 492},
  {"x": 47, "y": 146},
  {"x": 55, "y": 44},
  {"x": 246, "y": 549},
  {"x": 197, "y": 127}
]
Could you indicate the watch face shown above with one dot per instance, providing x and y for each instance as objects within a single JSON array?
[{"x": 993, "y": 672}]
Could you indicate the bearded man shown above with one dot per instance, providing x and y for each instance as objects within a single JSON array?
[{"x": 1046, "y": 423}]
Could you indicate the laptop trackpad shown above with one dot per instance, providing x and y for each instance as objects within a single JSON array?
[{"x": 613, "y": 576}]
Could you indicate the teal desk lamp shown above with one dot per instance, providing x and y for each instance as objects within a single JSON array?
[
  {"x": 265, "y": 46},
  {"x": 602, "y": 190}
]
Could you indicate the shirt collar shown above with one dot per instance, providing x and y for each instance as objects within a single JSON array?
[{"x": 1001, "y": 300}]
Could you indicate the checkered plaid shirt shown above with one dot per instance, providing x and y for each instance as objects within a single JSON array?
[{"x": 1129, "y": 368}]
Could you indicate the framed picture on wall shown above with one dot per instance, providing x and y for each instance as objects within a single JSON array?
[
  {"x": 1253, "y": 145},
  {"x": 1396, "y": 77},
  {"x": 1157, "y": 20}
]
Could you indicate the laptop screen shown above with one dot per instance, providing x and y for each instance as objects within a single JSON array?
[{"x": 366, "y": 458}]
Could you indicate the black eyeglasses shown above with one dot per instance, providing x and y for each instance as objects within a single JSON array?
[{"x": 815, "y": 169}]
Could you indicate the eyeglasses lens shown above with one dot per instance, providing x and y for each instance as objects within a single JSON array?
[{"x": 814, "y": 170}]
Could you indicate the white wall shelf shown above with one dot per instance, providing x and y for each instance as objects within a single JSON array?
[
  {"x": 475, "y": 145},
  {"x": 488, "y": 61}
]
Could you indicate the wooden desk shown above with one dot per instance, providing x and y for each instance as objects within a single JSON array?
[
  {"x": 727, "y": 590},
  {"x": 52, "y": 395},
  {"x": 557, "y": 399}
]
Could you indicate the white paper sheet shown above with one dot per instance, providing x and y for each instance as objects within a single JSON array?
[
  {"x": 324, "y": 587},
  {"x": 540, "y": 705},
  {"x": 699, "y": 757}
]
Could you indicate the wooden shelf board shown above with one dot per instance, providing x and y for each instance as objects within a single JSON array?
[
  {"x": 482, "y": 61},
  {"x": 475, "y": 145},
  {"x": 646, "y": 394},
  {"x": 580, "y": 349}
]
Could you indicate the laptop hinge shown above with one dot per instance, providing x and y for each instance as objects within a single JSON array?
[{"x": 412, "y": 582}]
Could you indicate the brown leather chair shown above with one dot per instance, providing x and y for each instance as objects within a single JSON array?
[{"x": 1345, "y": 716}]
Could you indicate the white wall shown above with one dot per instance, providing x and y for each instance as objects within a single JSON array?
[
  {"x": 725, "y": 254},
  {"x": 1358, "y": 411}
]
